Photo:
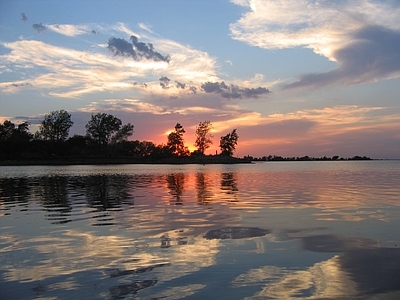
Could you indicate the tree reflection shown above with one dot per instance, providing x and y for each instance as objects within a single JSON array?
[
  {"x": 52, "y": 192},
  {"x": 229, "y": 185},
  {"x": 204, "y": 194},
  {"x": 14, "y": 191},
  {"x": 106, "y": 192},
  {"x": 175, "y": 183}
]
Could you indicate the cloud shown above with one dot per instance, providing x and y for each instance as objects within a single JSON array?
[
  {"x": 164, "y": 82},
  {"x": 70, "y": 73},
  {"x": 66, "y": 72},
  {"x": 193, "y": 89},
  {"x": 352, "y": 33},
  {"x": 127, "y": 106},
  {"x": 344, "y": 130},
  {"x": 24, "y": 17},
  {"x": 39, "y": 27},
  {"x": 374, "y": 54},
  {"x": 137, "y": 50},
  {"x": 145, "y": 27},
  {"x": 233, "y": 91},
  {"x": 12, "y": 87},
  {"x": 122, "y": 27},
  {"x": 70, "y": 30},
  {"x": 180, "y": 85}
]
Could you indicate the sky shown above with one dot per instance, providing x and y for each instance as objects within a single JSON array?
[{"x": 295, "y": 78}]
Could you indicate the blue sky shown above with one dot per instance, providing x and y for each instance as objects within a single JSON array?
[{"x": 294, "y": 77}]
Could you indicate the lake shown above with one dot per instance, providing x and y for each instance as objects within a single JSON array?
[{"x": 268, "y": 230}]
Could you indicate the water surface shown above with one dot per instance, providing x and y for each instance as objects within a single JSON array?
[{"x": 280, "y": 230}]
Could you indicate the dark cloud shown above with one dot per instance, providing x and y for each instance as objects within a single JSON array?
[
  {"x": 23, "y": 17},
  {"x": 39, "y": 27},
  {"x": 135, "y": 49},
  {"x": 121, "y": 47},
  {"x": 143, "y": 84},
  {"x": 374, "y": 54},
  {"x": 233, "y": 91},
  {"x": 254, "y": 92},
  {"x": 164, "y": 82},
  {"x": 21, "y": 84},
  {"x": 193, "y": 89},
  {"x": 211, "y": 87},
  {"x": 180, "y": 85}
]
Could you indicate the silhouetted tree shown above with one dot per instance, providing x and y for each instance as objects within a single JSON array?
[
  {"x": 14, "y": 139},
  {"x": 228, "y": 143},
  {"x": 176, "y": 142},
  {"x": 203, "y": 136},
  {"x": 9, "y": 131},
  {"x": 55, "y": 126},
  {"x": 161, "y": 151},
  {"x": 143, "y": 148},
  {"x": 106, "y": 129},
  {"x": 77, "y": 145}
]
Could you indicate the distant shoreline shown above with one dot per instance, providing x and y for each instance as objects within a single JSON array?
[
  {"x": 199, "y": 160},
  {"x": 65, "y": 161}
]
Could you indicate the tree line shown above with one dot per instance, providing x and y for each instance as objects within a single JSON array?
[{"x": 106, "y": 136}]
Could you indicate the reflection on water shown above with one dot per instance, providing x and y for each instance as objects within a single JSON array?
[
  {"x": 236, "y": 233},
  {"x": 176, "y": 184},
  {"x": 268, "y": 230}
]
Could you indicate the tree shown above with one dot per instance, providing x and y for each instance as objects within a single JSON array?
[
  {"x": 14, "y": 139},
  {"x": 203, "y": 136},
  {"x": 55, "y": 126},
  {"x": 6, "y": 130},
  {"x": 9, "y": 132},
  {"x": 228, "y": 143},
  {"x": 142, "y": 148},
  {"x": 176, "y": 142},
  {"x": 106, "y": 129},
  {"x": 122, "y": 134}
]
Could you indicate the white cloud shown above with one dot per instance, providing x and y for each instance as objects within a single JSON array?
[
  {"x": 122, "y": 27},
  {"x": 348, "y": 32},
  {"x": 81, "y": 72},
  {"x": 145, "y": 27},
  {"x": 241, "y": 2},
  {"x": 69, "y": 29},
  {"x": 126, "y": 105},
  {"x": 63, "y": 72}
]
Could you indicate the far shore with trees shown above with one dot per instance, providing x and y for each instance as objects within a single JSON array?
[{"x": 106, "y": 142}]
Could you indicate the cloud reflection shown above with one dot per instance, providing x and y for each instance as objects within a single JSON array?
[
  {"x": 358, "y": 269},
  {"x": 235, "y": 233}
]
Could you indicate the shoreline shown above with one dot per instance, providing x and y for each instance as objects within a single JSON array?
[{"x": 203, "y": 160}]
